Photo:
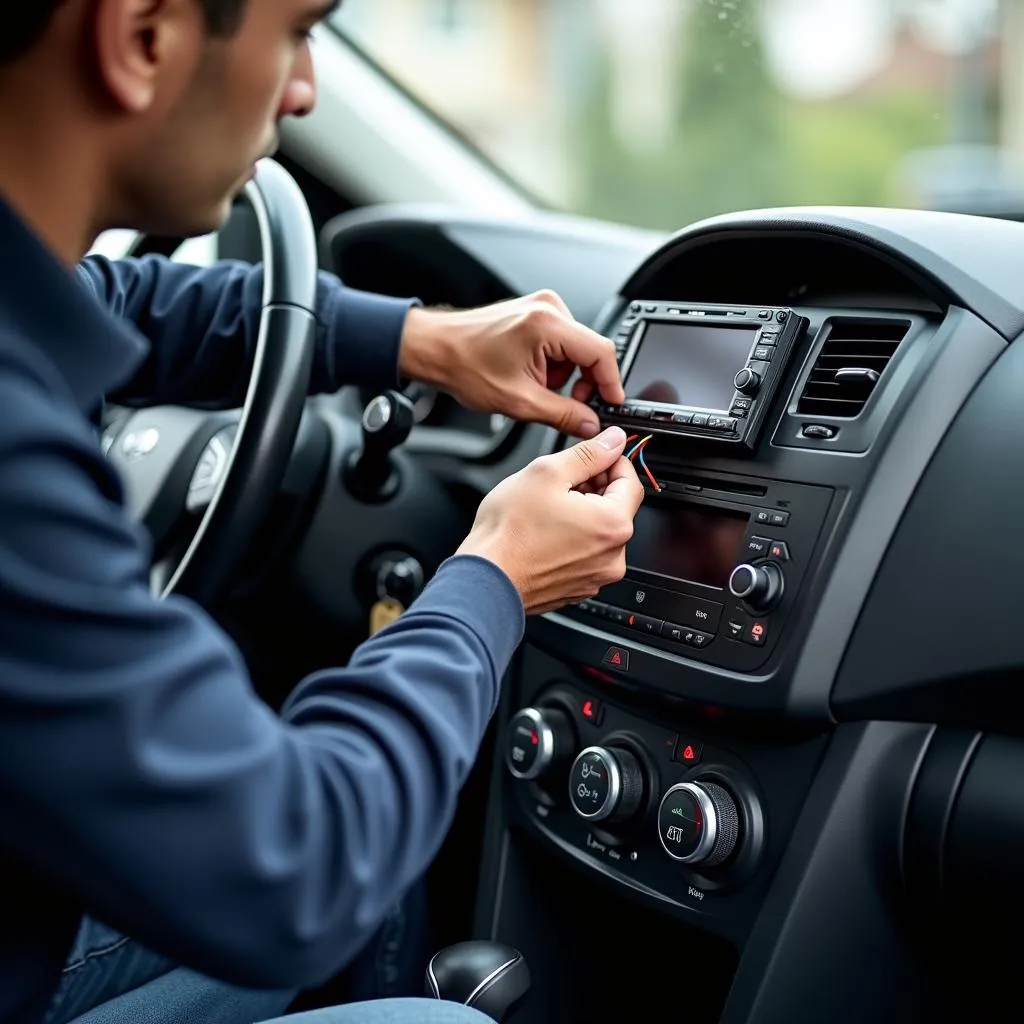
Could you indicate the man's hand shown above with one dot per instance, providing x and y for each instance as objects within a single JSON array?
[
  {"x": 512, "y": 358},
  {"x": 559, "y": 527}
]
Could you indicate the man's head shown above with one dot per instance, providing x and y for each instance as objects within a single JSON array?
[{"x": 165, "y": 105}]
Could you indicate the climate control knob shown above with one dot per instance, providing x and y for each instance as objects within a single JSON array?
[
  {"x": 759, "y": 586},
  {"x": 698, "y": 824},
  {"x": 606, "y": 784},
  {"x": 538, "y": 741}
]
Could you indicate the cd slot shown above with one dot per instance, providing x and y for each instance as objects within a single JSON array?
[{"x": 675, "y": 483}]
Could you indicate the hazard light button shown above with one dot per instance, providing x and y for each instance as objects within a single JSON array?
[
  {"x": 617, "y": 659},
  {"x": 688, "y": 751}
]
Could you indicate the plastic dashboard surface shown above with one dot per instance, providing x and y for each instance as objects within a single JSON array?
[{"x": 952, "y": 275}]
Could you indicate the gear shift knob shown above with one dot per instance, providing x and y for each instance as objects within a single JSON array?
[
  {"x": 387, "y": 422},
  {"x": 488, "y": 976}
]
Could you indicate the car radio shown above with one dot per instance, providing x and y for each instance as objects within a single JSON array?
[
  {"x": 713, "y": 570},
  {"x": 701, "y": 371}
]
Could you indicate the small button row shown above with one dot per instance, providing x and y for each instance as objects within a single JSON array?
[
  {"x": 671, "y": 631},
  {"x": 708, "y": 421},
  {"x": 771, "y": 517}
]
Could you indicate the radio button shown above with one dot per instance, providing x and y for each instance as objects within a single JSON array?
[
  {"x": 640, "y": 413},
  {"x": 756, "y": 633},
  {"x": 740, "y": 403},
  {"x": 735, "y": 627},
  {"x": 780, "y": 519},
  {"x": 705, "y": 615},
  {"x": 764, "y": 353},
  {"x": 763, "y": 516},
  {"x": 677, "y": 634},
  {"x": 718, "y": 423},
  {"x": 618, "y": 616},
  {"x": 645, "y": 624},
  {"x": 682, "y": 417},
  {"x": 757, "y": 547},
  {"x": 696, "y": 639},
  {"x": 739, "y": 413},
  {"x": 700, "y": 419}
]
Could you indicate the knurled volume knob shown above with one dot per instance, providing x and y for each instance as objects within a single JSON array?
[{"x": 699, "y": 824}]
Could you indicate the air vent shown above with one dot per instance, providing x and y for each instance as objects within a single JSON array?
[{"x": 849, "y": 366}]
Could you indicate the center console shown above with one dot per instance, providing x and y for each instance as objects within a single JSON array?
[{"x": 649, "y": 737}]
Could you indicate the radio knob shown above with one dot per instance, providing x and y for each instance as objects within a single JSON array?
[
  {"x": 748, "y": 381},
  {"x": 538, "y": 741},
  {"x": 698, "y": 824},
  {"x": 758, "y": 586},
  {"x": 606, "y": 784}
]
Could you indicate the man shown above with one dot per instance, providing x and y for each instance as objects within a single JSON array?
[{"x": 144, "y": 789}]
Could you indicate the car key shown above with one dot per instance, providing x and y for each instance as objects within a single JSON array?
[{"x": 384, "y": 612}]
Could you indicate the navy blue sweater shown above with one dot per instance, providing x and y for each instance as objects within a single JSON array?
[{"x": 141, "y": 779}]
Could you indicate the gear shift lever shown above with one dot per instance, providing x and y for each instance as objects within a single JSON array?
[
  {"x": 488, "y": 976},
  {"x": 387, "y": 422}
]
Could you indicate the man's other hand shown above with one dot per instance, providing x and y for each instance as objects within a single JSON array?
[
  {"x": 513, "y": 358},
  {"x": 559, "y": 527}
]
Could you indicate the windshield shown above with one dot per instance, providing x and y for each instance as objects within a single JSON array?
[{"x": 659, "y": 112}]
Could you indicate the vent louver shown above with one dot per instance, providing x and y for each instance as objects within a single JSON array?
[{"x": 849, "y": 366}]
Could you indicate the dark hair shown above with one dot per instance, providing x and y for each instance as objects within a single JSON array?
[{"x": 24, "y": 22}]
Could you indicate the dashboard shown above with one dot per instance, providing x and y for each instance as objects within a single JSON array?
[{"x": 783, "y": 752}]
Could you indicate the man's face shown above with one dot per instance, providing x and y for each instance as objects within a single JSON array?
[{"x": 211, "y": 111}]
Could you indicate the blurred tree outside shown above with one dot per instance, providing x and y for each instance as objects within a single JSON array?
[{"x": 739, "y": 143}]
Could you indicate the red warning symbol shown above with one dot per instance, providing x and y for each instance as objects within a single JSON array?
[
  {"x": 689, "y": 754},
  {"x": 616, "y": 658}
]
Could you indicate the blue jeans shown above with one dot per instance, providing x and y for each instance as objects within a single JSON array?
[{"x": 111, "y": 980}]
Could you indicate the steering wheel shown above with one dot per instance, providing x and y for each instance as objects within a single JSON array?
[{"x": 230, "y": 467}]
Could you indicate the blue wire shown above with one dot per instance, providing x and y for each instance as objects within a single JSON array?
[{"x": 643, "y": 462}]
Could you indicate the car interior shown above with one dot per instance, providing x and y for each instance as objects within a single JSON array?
[{"x": 769, "y": 776}]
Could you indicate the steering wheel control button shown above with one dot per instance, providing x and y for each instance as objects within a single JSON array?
[
  {"x": 537, "y": 742},
  {"x": 606, "y": 784},
  {"x": 698, "y": 824},
  {"x": 616, "y": 657}
]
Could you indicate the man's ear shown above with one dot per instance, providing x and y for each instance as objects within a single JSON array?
[{"x": 143, "y": 46}]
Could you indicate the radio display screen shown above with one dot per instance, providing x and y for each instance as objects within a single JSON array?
[
  {"x": 687, "y": 542},
  {"x": 692, "y": 365}
]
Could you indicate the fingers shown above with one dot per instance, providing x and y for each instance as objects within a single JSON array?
[
  {"x": 565, "y": 414},
  {"x": 588, "y": 459},
  {"x": 595, "y": 356},
  {"x": 624, "y": 486},
  {"x": 582, "y": 347}
]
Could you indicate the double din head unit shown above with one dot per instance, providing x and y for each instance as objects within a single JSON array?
[{"x": 702, "y": 371}]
